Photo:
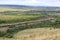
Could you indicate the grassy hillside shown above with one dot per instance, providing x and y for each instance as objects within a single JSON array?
[
  {"x": 29, "y": 24},
  {"x": 13, "y": 9},
  {"x": 36, "y": 34}
]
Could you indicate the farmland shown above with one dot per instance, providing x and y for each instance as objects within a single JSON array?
[{"x": 32, "y": 24}]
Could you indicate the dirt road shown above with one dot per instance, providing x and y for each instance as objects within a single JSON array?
[{"x": 26, "y": 22}]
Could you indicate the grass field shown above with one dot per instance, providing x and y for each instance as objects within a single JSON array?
[
  {"x": 13, "y": 18},
  {"x": 37, "y": 29},
  {"x": 36, "y": 34},
  {"x": 2, "y": 9}
]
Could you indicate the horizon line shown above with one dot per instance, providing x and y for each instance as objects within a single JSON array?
[{"x": 30, "y": 5}]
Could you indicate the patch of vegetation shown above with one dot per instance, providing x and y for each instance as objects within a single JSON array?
[
  {"x": 17, "y": 16},
  {"x": 13, "y": 17},
  {"x": 2, "y": 34},
  {"x": 11, "y": 31}
]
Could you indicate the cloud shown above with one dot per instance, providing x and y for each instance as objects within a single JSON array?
[
  {"x": 29, "y": 2},
  {"x": 32, "y": 2},
  {"x": 49, "y": 2}
]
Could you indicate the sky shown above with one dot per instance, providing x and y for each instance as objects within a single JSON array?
[{"x": 32, "y": 2}]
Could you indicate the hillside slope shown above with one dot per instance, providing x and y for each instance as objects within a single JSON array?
[{"x": 37, "y": 34}]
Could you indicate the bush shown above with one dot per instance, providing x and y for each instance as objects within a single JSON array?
[
  {"x": 9, "y": 35},
  {"x": 2, "y": 34},
  {"x": 12, "y": 30}
]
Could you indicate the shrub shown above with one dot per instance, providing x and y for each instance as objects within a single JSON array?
[
  {"x": 9, "y": 35},
  {"x": 2, "y": 34}
]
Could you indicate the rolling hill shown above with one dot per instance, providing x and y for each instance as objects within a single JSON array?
[{"x": 32, "y": 7}]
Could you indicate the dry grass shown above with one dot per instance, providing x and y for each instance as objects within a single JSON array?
[
  {"x": 37, "y": 34},
  {"x": 7, "y": 9},
  {"x": 15, "y": 18},
  {"x": 4, "y": 29},
  {"x": 12, "y": 9}
]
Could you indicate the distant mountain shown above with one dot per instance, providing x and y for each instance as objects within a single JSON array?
[
  {"x": 25, "y": 6},
  {"x": 16, "y": 6},
  {"x": 44, "y": 8}
]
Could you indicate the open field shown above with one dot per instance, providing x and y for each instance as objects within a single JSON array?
[
  {"x": 29, "y": 24},
  {"x": 36, "y": 34},
  {"x": 12, "y": 18},
  {"x": 6, "y": 9},
  {"x": 11, "y": 9},
  {"x": 2, "y": 9},
  {"x": 39, "y": 34}
]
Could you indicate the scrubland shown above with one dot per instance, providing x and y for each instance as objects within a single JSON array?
[{"x": 41, "y": 30}]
